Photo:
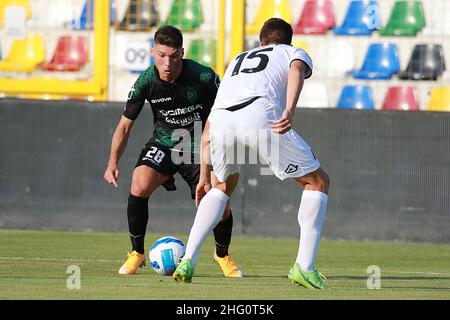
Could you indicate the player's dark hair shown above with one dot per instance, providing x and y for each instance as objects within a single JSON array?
[
  {"x": 169, "y": 36},
  {"x": 276, "y": 30}
]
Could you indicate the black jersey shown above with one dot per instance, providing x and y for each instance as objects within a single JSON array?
[{"x": 177, "y": 107}]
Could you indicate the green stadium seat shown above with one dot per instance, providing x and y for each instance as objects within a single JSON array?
[
  {"x": 186, "y": 15},
  {"x": 203, "y": 51},
  {"x": 407, "y": 19}
]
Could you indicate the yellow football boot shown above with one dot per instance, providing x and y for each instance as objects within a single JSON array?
[
  {"x": 134, "y": 261},
  {"x": 228, "y": 266}
]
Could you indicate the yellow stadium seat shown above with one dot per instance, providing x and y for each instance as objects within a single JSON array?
[
  {"x": 17, "y": 3},
  {"x": 439, "y": 100},
  {"x": 270, "y": 9},
  {"x": 25, "y": 54},
  {"x": 301, "y": 44}
]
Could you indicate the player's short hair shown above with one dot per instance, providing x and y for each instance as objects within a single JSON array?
[
  {"x": 276, "y": 30},
  {"x": 169, "y": 36}
]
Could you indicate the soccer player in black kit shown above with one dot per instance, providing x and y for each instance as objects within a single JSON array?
[{"x": 181, "y": 93}]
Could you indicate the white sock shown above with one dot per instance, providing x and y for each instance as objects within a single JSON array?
[
  {"x": 311, "y": 217},
  {"x": 208, "y": 216}
]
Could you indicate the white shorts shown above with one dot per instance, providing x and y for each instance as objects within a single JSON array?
[{"x": 287, "y": 155}]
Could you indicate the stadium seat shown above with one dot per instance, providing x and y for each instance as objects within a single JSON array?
[
  {"x": 18, "y": 3},
  {"x": 361, "y": 19},
  {"x": 301, "y": 44},
  {"x": 113, "y": 11},
  {"x": 270, "y": 9},
  {"x": 407, "y": 18},
  {"x": 141, "y": 15},
  {"x": 427, "y": 62},
  {"x": 187, "y": 15},
  {"x": 25, "y": 54},
  {"x": 381, "y": 62},
  {"x": 71, "y": 54},
  {"x": 356, "y": 97},
  {"x": 203, "y": 51},
  {"x": 440, "y": 24},
  {"x": 401, "y": 98},
  {"x": 314, "y": 95},
  {"x": 440, "y": 99},
  {"x": 335, "y": 59},
  {"x": 85, "y": 20},
  {"x": 316, "y": 17}
]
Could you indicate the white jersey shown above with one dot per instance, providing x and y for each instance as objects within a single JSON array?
[{"x": 260, "y": 72}]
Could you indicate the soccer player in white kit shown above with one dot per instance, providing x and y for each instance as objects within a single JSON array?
[{"x": 259, "y": 92}]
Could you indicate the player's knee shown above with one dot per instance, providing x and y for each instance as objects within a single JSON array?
[
  {"x": 140, "y": 191},
  {"x": 320, "y": 182},
  {"x": 317, "y": 181}
]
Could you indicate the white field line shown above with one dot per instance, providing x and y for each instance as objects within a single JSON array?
[
  {"x": 63, "y": 259},
  {"x": 58, "y": 259}
]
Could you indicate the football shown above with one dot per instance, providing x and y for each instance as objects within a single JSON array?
[{"x": 165, "y": 254}]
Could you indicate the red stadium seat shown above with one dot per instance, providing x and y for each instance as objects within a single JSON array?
[
  {"x": 316, "y": 18},
  {"x": 71, "y": 54},
  {"x": 401, "y": 98}
]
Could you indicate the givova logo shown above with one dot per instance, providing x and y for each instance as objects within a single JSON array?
[
  {"x": 161, "y": 100},
  {"x": 130, "y": 94},
  {"x": 291, "y": 168}
]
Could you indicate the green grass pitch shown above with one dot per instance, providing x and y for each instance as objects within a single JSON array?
[{"x": 34, "y": 265}]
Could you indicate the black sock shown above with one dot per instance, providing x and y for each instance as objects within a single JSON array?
[
  {"x": 222, "y": 236},
  {"x": 137, "y": 212}
]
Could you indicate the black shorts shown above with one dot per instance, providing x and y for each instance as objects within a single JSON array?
[{"x": 161, "y": 159}]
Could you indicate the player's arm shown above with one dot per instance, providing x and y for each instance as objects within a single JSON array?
[
  {"x": 118, "y": 145},
  {"x": 204, "y": 181},
  {"x": 135, "y": 103},
  {"x": 296, "y": 77}
]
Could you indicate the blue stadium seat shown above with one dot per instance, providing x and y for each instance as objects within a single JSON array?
[
  {"x": 85, "y": 21},
  {"x": 356, "y": 97},
  {"x": 381, "y": 62},
  {"x": 361, "y": 19}
]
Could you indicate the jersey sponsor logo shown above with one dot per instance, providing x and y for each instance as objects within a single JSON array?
[
  {"x": 192, "y": 96},
  {"x": 180, "y": 111},
  {"x": 185, "y": 120},
  {"x": 291, "y": 168},
  {"x": 161, "y": 100}
]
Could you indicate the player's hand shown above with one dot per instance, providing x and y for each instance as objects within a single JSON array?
[
  {"x": 203, "y": 186},
  {"x": 283, "y": 124},
  {"x": 112, "y": 175}
]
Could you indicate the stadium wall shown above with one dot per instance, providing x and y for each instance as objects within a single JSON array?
[{"x": 390, "y": 173}]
